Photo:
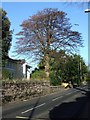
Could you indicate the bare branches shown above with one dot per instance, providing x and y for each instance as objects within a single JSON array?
[{"x": 48, "y": 29}]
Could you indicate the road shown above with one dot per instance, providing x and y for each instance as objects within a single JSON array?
[{"x": 67, "y": 104}]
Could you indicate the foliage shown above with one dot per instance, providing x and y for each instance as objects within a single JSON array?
[
  {"x": 6, "y": 74},
  {"x": 38, "y": 75},
  {"x": 88, "y": 79},
  {"x": 88, "y": 75},
  {"x": 76, "y": 69},
  {"x": 6, "y": 34},
  {"x": 67, "y": 68},
  {"x": 57, "y": 66},
  {"x": 54, "y": 79},
  {"x": 41, "y": 64}
]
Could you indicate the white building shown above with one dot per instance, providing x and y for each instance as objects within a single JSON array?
[
  {"x": 17, "y": 68},
  {"x": 26, "y": 71}
]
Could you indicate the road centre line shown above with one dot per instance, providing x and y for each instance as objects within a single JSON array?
[
  {"x": 70, "y": 93},
  {"x": 63, "y": 96},
  {"x": 33, "y": 108},
  {"x": 73, "y": 92},
  {"x": 57, "y": 98},
  {"x": 21, "y": 117}
]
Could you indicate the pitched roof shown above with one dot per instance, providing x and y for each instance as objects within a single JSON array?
[{"x": 20, "y": 61}]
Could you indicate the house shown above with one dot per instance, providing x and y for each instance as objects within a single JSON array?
[
  {"x": 26, "y": 71},
  {"x": 18, "y": 69}
]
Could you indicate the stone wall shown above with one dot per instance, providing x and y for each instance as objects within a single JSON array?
[{"x": 14, "y": 91}]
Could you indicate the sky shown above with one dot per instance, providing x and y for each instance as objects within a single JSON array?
[
  {"x": 45, "y": 0},
  {"x": 17, "y": 12}
]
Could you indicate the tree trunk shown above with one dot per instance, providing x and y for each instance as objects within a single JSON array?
[{"x": 47, "y": 67}]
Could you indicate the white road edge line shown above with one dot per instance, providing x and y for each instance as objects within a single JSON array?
[
  {"x": 57, "y": 98},
  {"x": 33, "y": 108}
]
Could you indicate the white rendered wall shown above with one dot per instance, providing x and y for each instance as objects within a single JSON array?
[{"x": 26, "y": 73}]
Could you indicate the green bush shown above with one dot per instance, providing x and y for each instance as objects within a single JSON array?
[
  {"x": 87, "y": 79},
  {"x": 6, "y": 74},
  {"x": 38, "y": 74},
  {"x": 54, "y": 80}
]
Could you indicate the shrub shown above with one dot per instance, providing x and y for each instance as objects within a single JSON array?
[
  {"x": 38, "y": 74},
  {"x": 6, "y": 74},
  {"x": 54, "y": 80},
  {"x": 88, "y": 79}
]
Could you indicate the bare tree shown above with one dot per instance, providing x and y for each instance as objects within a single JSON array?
[{"x": 47, "y": 30}]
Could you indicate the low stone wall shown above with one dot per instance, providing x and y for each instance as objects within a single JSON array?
[{"x": 13, "y": 91}]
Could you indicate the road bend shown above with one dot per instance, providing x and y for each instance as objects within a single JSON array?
[{"x": 67, "y": 104}]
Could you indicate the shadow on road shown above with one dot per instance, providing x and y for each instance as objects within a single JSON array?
[
  {"x": 71, "y": 110},
  {"x": 34, "y": 107},
  {"x": 86, "y": 92},
  {"x": 81, "y": 89}
]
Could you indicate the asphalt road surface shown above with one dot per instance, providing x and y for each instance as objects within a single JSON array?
[{"x": 71, "y": 103}]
